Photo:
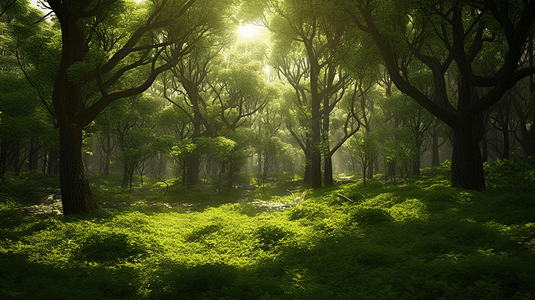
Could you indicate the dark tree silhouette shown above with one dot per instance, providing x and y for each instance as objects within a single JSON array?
[
  {"x": 98, "y": 54},
  {"x": 451, "y": 37}
]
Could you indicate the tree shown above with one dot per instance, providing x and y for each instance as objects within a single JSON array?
[
  {"x": 131, "y": 122},
  {"x": 218, "y": 86},
  {"x": 319, "y": 35},
  {"x": 365, "y": 147},
  {"x": 416, "y": 123},
  {"x": 268, "y": 139},
  {"x": 449, "y": 37},
  {"x": 188, "y": 79},
  {"x": 524, "y": 107},
  {"x": 24, "y": 129},
  {"x": 103, "y": 42}
]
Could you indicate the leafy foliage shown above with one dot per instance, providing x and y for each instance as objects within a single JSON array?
[{"x": 511, "y": 176}]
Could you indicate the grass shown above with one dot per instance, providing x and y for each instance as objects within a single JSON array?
[{"x": 422, "y": 240}]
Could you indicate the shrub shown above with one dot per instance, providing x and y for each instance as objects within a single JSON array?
[
  {"x": 370, "y": 216},
  {"x": 351, "y": 191},
  {"x": 22, "y": 188},
  {"x": 433, "y": 175},
  {"x": 110, "y": 247},
  {"x": 9, "y": 217},
  {"x": 375, "y": 257},
  {"x": 310, "y": 211},
  {"x": 270, "y": 235},
  {"x": 201, "y": 232},
  {"x": 439, "y": 193},
  {"x": 209, "y": 281},
  {"x": 516, "y": 175}
]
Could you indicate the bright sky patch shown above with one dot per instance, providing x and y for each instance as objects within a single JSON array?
[{"x": 247, "y": 31}]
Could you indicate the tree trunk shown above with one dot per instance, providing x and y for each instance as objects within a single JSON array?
[
  {"x": 125, "y": 175},
  {"x": 484, "y": 148},
  {"x": 73, "y": 176},
  {"x": 435, "y": 154},
  {"x": 184, "y": 170},
  {"x": 51, "y": 166},
  {"x": 68, "y": 103},
  {"x": 328, "y": 175},
  {"x": 416, "y": 167},
  {"x": 193, "y": 165},
  {"x": 34, "y": 154},
  {"x": 315, "y": 157},
  {"x": 4, "y": 146},
  {"x": 466, "y": 162},
  {"x": 327, "y": 157},
  {"x": 162, "y": 163},
  {"x": 307, "y": 179},
  {"x": 370, "y": 163},
  {"x": 308, "y": 174},
  {"x": 107, "y": 148},
  {"x": 16, "y": 158},
  {"x": 364, "y": 170}
]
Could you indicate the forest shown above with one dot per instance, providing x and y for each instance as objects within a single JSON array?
[{"x": 267, "y": 149}]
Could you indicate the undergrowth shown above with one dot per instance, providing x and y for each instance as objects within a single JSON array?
[{"x": 423, "y": 240}]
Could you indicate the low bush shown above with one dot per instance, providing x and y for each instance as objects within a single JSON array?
[
  {"x": 311, "y": 211},
  {"x": 271, "y": 235},
  {"x": 110, "y": 248},
  {"x": 369, "y": 216},
  {"x": 24, "y": 188},
  {"x": 516, "y": 175}
]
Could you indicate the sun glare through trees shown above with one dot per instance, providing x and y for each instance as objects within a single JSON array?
[{"x": 247, "y": 31}]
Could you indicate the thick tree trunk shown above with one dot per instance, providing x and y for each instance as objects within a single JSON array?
[
  {"x": 308, "y": 174},
  {"x": 73, "y": 176},
  {"x": 364, "y": 171},
  {"x": 327, "y": 157},
  {"x": 307, "y": 178},
  {"x": 416, "y": 167},
  {"x": 193, "y": 165},
  {"x": 328, "y": 175},
  {"x": 484, "y": 148},
  {"x": 68, "y": 103},
  {"x": 370, "y": 163},
  {"x": 315, "y": 157},
  {"x": 316, "y": 149},
  {"x": 466, "y": 162}
]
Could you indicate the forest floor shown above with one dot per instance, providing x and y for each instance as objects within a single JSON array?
[
  {"x": 50, "y": 202},
  {"x": 418, "y": 240}
]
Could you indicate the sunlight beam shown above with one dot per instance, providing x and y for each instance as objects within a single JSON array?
[{"x": 247, "y": 31}]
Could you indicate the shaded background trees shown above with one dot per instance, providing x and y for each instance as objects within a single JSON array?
[
  {"x": 391, "y": 84},
  {"x": 103, "y": 42},
  {"x": 26, "y": 65},
  {"x": 450, "y": 38}
]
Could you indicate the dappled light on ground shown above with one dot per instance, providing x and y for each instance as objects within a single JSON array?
[{"x": 415, "y": 241}]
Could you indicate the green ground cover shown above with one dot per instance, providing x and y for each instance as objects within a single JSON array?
[{"x": 420, "y": 240}]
